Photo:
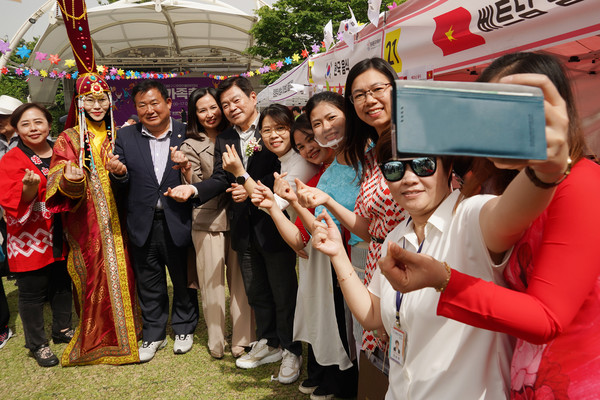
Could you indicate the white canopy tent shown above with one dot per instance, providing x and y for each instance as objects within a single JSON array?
[
  {"x": 164, "y": 35},
  {"x": 291, "y": 89}
]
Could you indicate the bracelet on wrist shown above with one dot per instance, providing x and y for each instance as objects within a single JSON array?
[
  {"x": 347, "y": 276},
  {"x": 546, "y": 185},
  {"x": 448, "y": 274}
]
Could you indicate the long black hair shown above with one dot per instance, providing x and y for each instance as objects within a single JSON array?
[
  {"x": 539, "y": 63},
  {"x": 194, "y": 127},
  {"x": 358, "y": 132}
]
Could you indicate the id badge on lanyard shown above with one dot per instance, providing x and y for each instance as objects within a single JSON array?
[{"x": 397, "y": 348}]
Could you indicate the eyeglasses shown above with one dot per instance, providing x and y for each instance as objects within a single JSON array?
[
  {"x": 377, "y": 91},
  {"x": 394, "y": 170},
  {"x": 90, "y": 102},
  {"x": 278, "y": 130}
]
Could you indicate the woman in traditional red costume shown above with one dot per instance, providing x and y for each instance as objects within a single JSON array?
[{"x": 79, "y": 188}]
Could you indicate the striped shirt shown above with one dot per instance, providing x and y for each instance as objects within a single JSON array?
[{"x": 160, "y": 151}]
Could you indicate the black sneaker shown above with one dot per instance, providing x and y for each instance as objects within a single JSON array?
[
  {"x": 63, "y": 337},
  {"x": 308, "y": 386},
  {"x": 321, "y": 393},
  {"x": 5, "y": 336},
  {"x": 44, "y": 356}
]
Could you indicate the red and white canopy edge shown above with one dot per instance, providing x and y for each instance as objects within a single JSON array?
[{"x": 456, "y": 39}]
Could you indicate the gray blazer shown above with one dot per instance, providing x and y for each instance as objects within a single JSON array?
[{"x": 212, "y": 215}]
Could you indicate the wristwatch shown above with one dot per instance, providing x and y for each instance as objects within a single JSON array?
[{"x": 240, "y": 180}]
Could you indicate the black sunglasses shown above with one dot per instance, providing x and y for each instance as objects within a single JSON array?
[{"x": 394, "y": 170}]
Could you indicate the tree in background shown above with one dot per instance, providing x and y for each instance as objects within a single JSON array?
[{"x": 291, "y": 26}]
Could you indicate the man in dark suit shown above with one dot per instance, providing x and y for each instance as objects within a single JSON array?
[
  {"x": 267, "y": 262},
  {"x": 158, "y": 226}
]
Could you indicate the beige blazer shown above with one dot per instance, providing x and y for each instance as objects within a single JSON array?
[{"x": 212, "y": 215}]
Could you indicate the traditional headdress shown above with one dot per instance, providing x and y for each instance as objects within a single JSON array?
[{"x": 89, "y": 81}]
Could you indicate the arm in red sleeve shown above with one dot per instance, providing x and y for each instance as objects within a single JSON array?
[{"x": 566, "y": 268}]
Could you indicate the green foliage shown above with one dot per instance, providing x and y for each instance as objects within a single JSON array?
[
  {"x": 16, "y": 86},
  {"x": 294, "y": 25}
]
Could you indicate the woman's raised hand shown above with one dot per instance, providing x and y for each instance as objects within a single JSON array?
[
  {"x": 326, "y": 235},
  {"x": 262, "y": 196},
  {"x": 73, "y": 172},
  {"x": 310, "y": 197},
  {"x": 30, "y": 180},
  {"x": 557, "y": 130},
  {"x": 283, "y": 188},
  {"x": 407, "y": 271}
]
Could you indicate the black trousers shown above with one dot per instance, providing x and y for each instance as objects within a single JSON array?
[
  {"x": 53, "y": 284},
  {"x": 4, "y": 311},
  {"x": 149, "y": 266},
  {"x": 343, "y": 384},
  {"x": 271, "y": 286}
]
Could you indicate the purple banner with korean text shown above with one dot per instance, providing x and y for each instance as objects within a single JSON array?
[{"x": 179, "y": 91}]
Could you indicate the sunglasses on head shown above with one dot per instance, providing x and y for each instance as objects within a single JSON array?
[{"x": 394, "y": 170}]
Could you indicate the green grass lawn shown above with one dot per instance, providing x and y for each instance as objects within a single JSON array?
[{"x": 195, "y": 375}]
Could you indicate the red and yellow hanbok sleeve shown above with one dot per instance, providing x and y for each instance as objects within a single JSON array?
[{"x": 63, "y": 194}]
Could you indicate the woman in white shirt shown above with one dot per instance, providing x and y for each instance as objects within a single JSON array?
[{"x": 441, "y": 358}]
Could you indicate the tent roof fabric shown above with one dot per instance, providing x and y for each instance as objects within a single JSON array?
[{"x": 207, "y": 35}]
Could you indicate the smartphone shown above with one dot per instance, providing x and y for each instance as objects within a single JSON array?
[{"x": 469, "y": 119}]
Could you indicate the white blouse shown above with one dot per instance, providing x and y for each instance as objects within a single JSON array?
[{"x": 445, "y": 359}]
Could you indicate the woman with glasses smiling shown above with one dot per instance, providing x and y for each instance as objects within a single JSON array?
[
  {"x": 80, "y": 189},
  {"x": 439, "y": 357},
  {"x": 275, "y": 126},
  {"x": 368, "y": 113}
]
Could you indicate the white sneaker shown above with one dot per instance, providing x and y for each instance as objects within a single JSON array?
[
  {"x": 183, "y": 343},
  {"x": 290, "y": 367},
  {"x": 260, "y": 354},
  {"x": 148, "y": 349}
]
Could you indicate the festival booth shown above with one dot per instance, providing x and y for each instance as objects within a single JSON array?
[
  {"x": 456, "y": 39},
  {"x": 291, "y": 89}
]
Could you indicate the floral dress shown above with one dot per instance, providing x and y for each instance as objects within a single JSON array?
[{"x": 375, "y": 203}]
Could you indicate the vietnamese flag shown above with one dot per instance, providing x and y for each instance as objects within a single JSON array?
[{"x": 452, "y": 33}]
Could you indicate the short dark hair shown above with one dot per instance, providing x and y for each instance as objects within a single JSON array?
[
  {"x": 239, "y": 81},
  {"x": 147, "y": 85},
  {"x": 296, "y": 109},
  {"x": 303, "y": 125},
  {"x": 358, "y": 132},
  {"x": 279, "y": 113},
  {"x": 19, "y": 111},
  {"x": 193, "y": 125}
]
